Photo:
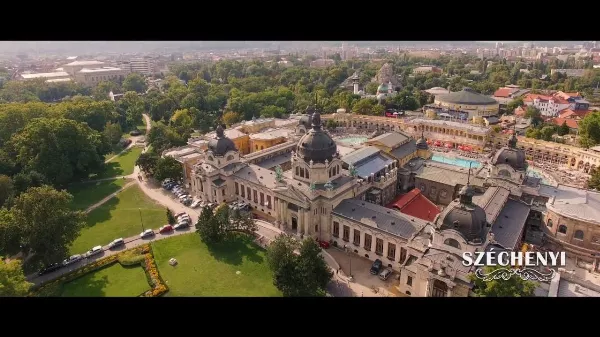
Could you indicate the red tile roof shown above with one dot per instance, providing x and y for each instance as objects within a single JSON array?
[
  {"x": 556, "y": 98},
  {"x": 520, "y": 111},
  {"x": 574, "y": 114},
  {"x": 571, "y": 123},
  {"x": 503, "y": 92},
  {"x": 414, "y": 203}
]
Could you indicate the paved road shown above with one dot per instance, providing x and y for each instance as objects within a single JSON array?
[{"x": 267, "y": 231}]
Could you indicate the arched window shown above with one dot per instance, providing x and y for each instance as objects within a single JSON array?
[
  {"x": 439, "y": 289},
  {"x": 307, "y": 175},
  {"x": 549, "y": 224},
  {"x": 452, "y": 243},
  {"x": 297, "y": 171},
  {"x": 210, "y": 158},
  {"x": 229, "y": 158},
  {"x": 562, "y": 229},
  {"x": 578, "y": 235},
  {"x": 504, "y": 173}
]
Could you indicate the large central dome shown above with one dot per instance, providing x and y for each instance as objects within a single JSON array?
[{"x": 316, "y": 144}]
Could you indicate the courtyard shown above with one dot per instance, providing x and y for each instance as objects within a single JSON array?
[
  {"x": 237, "y": 267},
  {"x": 120, "y": 217}
]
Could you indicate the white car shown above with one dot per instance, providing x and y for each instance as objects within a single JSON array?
[
  {"x": 94, "y": 251},
  {"x": 195, "y": 204},
  {"x": 116, "y": 243},
  {"x": 146, "y": 233},
  {"x": 180, "y": 214},
  {"x": 72, "y": 259}
]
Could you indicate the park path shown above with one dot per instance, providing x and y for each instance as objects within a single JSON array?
[
  {"x": 266, "y": 231},
  {"x": 99, "y": 203},
  {"x": 134, "y": 139}
]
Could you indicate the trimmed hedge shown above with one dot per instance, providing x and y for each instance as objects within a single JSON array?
[{"x": 141, "y": 255}]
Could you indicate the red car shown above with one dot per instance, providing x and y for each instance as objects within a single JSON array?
[
  {"x": 165, "y": 229},
  {"x": 324, "y": 244}
]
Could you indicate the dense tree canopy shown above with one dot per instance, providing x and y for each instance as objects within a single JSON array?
[
  {"x": 12, "y": 279},
  {"x": 301, "y": 274},
  {"x": 41, "y": 222},
  {"x": 513, "y": 287}
]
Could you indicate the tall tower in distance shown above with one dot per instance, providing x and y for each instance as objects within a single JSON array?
[{"x": 355, "y": 81}]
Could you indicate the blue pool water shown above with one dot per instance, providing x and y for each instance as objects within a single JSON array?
[
  {"x": 460, "y": 162},
  {"x": 456, "y": 161},
  {"x": 353, "y": 140}
]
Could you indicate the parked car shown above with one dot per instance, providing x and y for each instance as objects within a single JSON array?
[
  {"x": 324, "y": 244},
  {"x": 72, "y": 259},
  {"x": 184, "y": 221},
  {"x": 187, "y": 201},
  {"x": 116, "y": 243},
  {"x": 181, "y": 225},
  {"x": 135, "y": 133},
  {"x": 195, "y": 203},
  {"x": 94, "y": 251},
  {"x": 50, "y": 268},
  {"x": 180, "y": 214},
  {"x": 376, "y": 267},
  {"x": 146, "y": 233},
  {"x": 165, "y": 229},
  {"x": 385, "y": 274}
]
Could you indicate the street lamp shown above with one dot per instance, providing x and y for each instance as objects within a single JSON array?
[
  {"x": 349, "y": 258},
  {"x": 141, "y": 220}
]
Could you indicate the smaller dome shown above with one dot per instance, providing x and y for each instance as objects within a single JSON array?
[
  {"x": 382, "y": 88},
  {"x": 220, "y": 145},
  {"x": 422, "y": 143}
]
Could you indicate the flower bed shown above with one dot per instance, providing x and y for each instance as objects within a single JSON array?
[
  {"x": 139, "y": 255},
  {"x": 156, "y": 282}
]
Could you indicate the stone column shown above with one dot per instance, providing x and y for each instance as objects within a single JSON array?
[
  {"x": 397, "y": 255},
  {"x": 307, "y": 224},
  {"x": 300, "y": 220},
  {"x": 362, "y": 238}
]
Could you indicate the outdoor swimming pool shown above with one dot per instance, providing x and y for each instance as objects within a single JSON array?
[
  {"x": 353, "y": 140},
  {"x": 537, "y": 174},
  {"x": 460, "y": 162},
  {"x": 455, "y": 161}
]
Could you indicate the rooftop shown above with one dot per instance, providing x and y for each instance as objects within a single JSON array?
[
  {"x": 467, "y": 96},
  {"x": 448, "y": 174},
  {"x": 415, "y": 204},
  {"x": 277, "y": 160},
  {"x": 390, "y": 139},
  {"x": 272, "y": 134},
  {"x": 509, "y": 224},
  {"x": 257, "y": 175},
  {"x": 570, "y": 289},
  {"x": 45, "y": 75},
  {"x": 456, "y": 125},
  {"x": 575, "y": 203},
  {"x": 85, "y": 63},
  {"x": 55, "y": 80},
  {"x": 180, "y": 152},
  {"x": 98, "y": 70},
  {"x": 229, "y": 133},
  {"x": 405, "y": 149},
  {"x": 373, "y": 165},
  {"x": 360, "y": 155},
  {"x": 375, "y": 216}
]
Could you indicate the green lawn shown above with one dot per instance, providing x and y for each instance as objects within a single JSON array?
[
  {"x": 119, "y": 217},
  {"x": 120, "y": 166},
  {"x": 113, "y": 281},
  {"x": 212, "y": 272},
  {"x": 87, "y": 194}
]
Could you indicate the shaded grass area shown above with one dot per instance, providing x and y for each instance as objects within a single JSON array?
[
  {"x": 88, "y": 194},
  {"x": 120, "y": 166},
  {"x": 119, "y": 217},
  {"x": 211, "y": 271},
  {"x": 113, "y": 281}
]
